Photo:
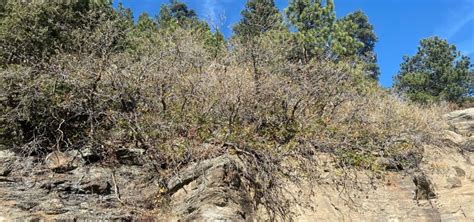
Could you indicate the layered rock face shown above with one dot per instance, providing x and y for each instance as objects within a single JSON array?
[
  {"x": 69, "y": 186},
  {"x": 461, "y": 129},
  {"x": 445, "y": 180},
  {"x": 442, "y": 189}
]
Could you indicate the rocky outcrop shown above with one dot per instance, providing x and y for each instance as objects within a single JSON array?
[
  {"x": 212, "y": 190},
  {"x": 60, "y": 189},
  {"x": 461, "y": 130},
  {"x": 462, "y": 121},
  {"x": 6, "y": 162},
  {"x": 61, "y": 162},
  {"x": 72, "y": 186},
  {"x": 442, "y": 189}
]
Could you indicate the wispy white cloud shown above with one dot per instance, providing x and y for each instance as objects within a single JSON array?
[
  {"x": 457, "y": 26},
  {"x": 214, "y": 12},
  {"x": 467, "y": 46},
  {"x": 458, "y": 14},
  {"x": 210, "y": 10}
]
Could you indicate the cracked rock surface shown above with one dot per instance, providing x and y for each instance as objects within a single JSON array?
[{"x": 66, "y": 186}]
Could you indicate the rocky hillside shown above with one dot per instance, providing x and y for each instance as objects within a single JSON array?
[
  {"x": 106, "y": 116},
  {"x": 71, "y": 185}
]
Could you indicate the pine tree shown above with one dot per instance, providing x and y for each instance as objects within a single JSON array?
[
  {"x": 436, "y": 72},
  {"x": 86, "y": 5},
  {"x": 361, "y": 30},
  {"x": 307, "y": 15},
  {"x": 3, "y": 5},
  {"x": 179, "y": 13},
  {"x": 315, "y": 24},
  {"x": 44, "y": 28},
  {"x": 259, "y": 16},
  {"x": 146, "y": 23},
  {"x": 320, "y": 34}
]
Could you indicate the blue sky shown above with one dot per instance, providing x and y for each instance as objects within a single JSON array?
[{"x": 399, "y": 24}]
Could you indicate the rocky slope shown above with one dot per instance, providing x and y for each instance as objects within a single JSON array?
[
  {"x": 72, "y": 185},
  {"x": 447, "y": 170}
]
